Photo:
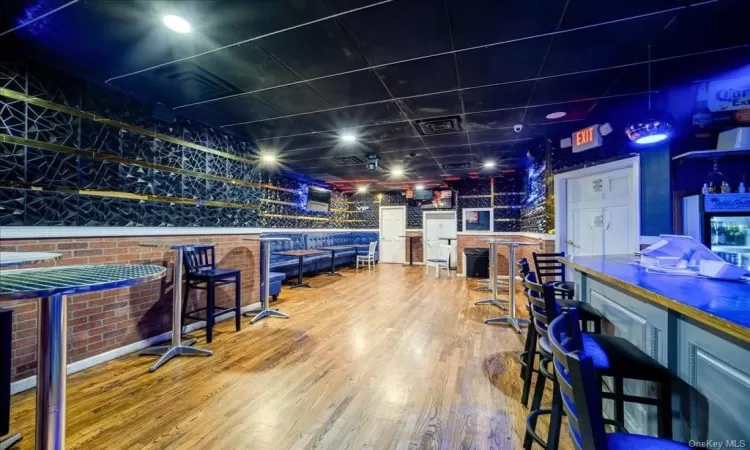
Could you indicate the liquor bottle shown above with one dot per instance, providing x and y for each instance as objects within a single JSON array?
[
  {"x": 722, "y": 234},
  {"x": 705, "y": 188},
  {"x": 714, "y": 233},
  {"x": 725, "y": 188}
]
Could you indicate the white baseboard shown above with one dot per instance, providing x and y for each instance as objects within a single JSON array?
[{"x": 30, "y": 383}]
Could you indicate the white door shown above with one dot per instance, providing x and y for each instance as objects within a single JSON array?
[
  {"x": 436, "y": 226},
  {"x": 392, "y": 230},
  {"x": 601, "y": 214}
]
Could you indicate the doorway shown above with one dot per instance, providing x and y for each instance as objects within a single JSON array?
[
  {"x": 597, "y": 209},
  {"x": 392, "y": 232},
  {"x": 437, "y": 225}
]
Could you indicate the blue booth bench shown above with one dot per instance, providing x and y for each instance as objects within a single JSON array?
[{"x": 309, "y": 241}]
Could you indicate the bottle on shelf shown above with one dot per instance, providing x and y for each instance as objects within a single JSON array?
[
  {"x": 722, "y": 234},
  {"x": 741, "y": 189},
  {"x": 725, "y": 188},
  {"x": 714, "y": 233},
  {"x": 705, "y": 188}
]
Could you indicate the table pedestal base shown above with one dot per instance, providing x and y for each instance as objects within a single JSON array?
[
  {"x": 333, "y": 274},
  {"x": 512, "y": 321},
  {"x": 491, "y": 301},
  {"x": 299, "y": 285},
  {"x": 168, "y": 352},
  {"x": 9, "y": 441},
  {"x": 263, "y": 313}
]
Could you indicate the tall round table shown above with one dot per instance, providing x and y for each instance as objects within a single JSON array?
[
  {"x": 52, "y": 285},
  {"x": 13, "y": 259},
  {"x": 492, "y": 299},
  {"x": 177, "y": 347},
  {"x": 265, "y": 271},
  {"x": 511, "y": 318}
]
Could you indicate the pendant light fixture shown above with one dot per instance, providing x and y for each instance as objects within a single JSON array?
[{"x": 655, "y": 126}]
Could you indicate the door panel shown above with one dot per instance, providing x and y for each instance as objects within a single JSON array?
[
  {"x": 392, "y": 226},
  {"x": 617, "y": 233},
  {"x": 585, "y": 232}
]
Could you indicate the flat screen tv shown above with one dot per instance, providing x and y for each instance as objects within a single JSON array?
[
  {"x": 439, "y": 200},
  {"x": 318, "y": 199}
]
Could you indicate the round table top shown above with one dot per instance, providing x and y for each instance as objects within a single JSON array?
[
  {"x": 8, "y": 259},
  {"x": 172, "y": 245},
  {"x": 18, "y": 284}
]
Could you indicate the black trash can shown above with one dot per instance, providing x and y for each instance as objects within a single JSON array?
[{"x": 477, "y": 262}]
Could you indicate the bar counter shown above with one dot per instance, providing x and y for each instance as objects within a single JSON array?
[{"x": 697, "y": 327}]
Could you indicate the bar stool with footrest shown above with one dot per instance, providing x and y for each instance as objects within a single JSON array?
[
  {"x": 578, "y": 382},
  {"x": 612, "y": 356},
  {"x": 201, "y": 273},
  {"x": 525, "y": 358},
  {"x": 549, "y": 269}
]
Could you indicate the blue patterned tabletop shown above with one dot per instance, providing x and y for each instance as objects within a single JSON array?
[
  {"x": 48, "y": 281},
  {"x": 725, "y": 300}
]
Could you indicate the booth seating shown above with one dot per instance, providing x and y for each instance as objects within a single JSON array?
[
  {"x": 274, "y": 288},
  {"x": 310, "y": 241}
]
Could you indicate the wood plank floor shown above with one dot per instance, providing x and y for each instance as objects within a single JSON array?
[{"x": 386, "y": 358}]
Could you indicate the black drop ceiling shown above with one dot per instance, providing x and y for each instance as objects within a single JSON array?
[{"x": 292, "y": 75}]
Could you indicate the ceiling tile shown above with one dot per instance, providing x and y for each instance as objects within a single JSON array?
[
  {"x": 605, "y": 46},
  {"x": 387, "y": 131},
  {"x": 315, "y": 50},
  {"x": 509, "y": 62},
  {"x": 515, "y": 95},
  {"x": 414, "y": 143},
  {"x": 432, "y": 106},
  {"x": 444, "y": 152},
  {"x": 370, "y": 114},
  {"x": 423, "y": 76},
  {"x": 398, "y": 30},
  {"x": 351, "y": 89},
  {"x": 237, "y": 109},
  {"x": 494, "y": 135},
  {"x": 309, "y": 123},
  {"x": 587, "y": 12},
  {"x": 591, "y": 85},
  {"x": 495, "y": 119},
  {"x": 296, "y": 99},
  {"x": 445, "y": 140},
  {"x": 685, "y": 71},
  {"x": 480, "y": 22}
]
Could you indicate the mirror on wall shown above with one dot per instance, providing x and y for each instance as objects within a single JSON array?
[{"x": 477, "y": 219}]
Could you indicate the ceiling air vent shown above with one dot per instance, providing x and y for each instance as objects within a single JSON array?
[
  {"x": 439, "y": 125},
  {"x": 455, "y": 166},
  {"x": 347, "y": 160}
]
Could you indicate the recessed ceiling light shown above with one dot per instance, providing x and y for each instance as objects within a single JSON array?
[
  {"x": 177, "y": 24},
  {"x": 556, "y": 115},
  {"x": 348, "y": 138},
  {"x": 362, "y": 189},
  {"x": 489, "y": 164},
  {"x": 397, "y": 171},
  {"x": 268, "y": 158},
  {"x": 419, "y": 187}
]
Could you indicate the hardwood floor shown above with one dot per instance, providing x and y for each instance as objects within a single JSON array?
[{"x": 382, "y": 359}]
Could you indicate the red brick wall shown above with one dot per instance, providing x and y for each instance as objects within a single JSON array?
[
  {"x": 104, "y": 321},
  {"x": 417, "y": 245},
  {"x": 474, "y": 241}
]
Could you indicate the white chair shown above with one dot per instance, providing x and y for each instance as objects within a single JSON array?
[
  {"x": 441, "y": 262},
  {"x": 369, "y": 258}
]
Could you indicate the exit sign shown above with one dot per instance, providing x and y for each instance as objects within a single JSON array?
[{"x": 586, "y": 139}]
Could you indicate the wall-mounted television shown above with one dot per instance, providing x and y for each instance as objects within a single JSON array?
[
  {"x": 439, "y": 200},
  {"x": 318, "y": 199}
]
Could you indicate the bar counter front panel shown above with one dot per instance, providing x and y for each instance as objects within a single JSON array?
[{"x": 705, "y": 345}]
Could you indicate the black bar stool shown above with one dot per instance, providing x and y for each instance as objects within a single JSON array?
[
  {"x": 578, "y": 381},
  {"x": 549, "y": 269},
  {"x": 201, "y": 273},
  {"x": 612, "y": 357},
  {"x": 527, "y": 357}
]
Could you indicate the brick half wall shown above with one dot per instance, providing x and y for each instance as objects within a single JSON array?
[{"x": 103, "y": 321}]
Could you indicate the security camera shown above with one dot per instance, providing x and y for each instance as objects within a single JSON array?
[
  {"x": 373, "y": 162},
  {"x": 517, "y": 128}
]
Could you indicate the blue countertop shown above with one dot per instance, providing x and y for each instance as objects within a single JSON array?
[{"x": 722, "y": 305}]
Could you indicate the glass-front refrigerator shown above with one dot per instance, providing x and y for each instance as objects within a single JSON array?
[{"x": 722, "y": 223}]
